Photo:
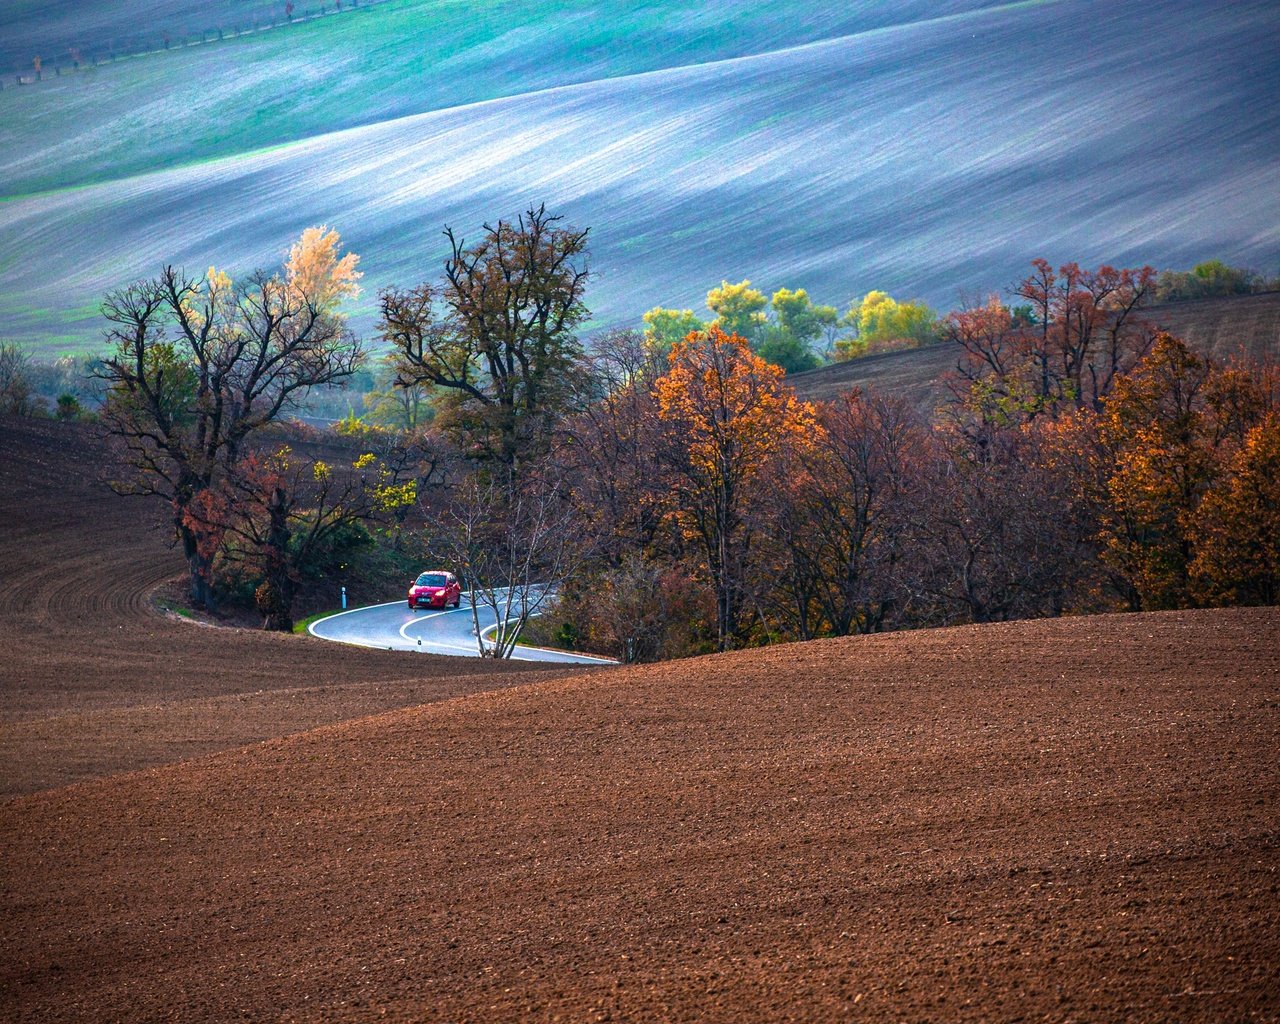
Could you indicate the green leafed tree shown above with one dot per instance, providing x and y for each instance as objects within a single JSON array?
[
  {"x": 664, "y": 327},
  {"x": 785, "y": 350},
  {"x": 798, "y": 326},
  {"x": 800, "y": 316},
  {"x": 739, "y": 309}
]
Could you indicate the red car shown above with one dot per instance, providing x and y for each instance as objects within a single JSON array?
[{"x": 435, "y": 589}]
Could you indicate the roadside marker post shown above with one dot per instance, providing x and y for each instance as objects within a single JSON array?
[{"x": 344, "y": 598}]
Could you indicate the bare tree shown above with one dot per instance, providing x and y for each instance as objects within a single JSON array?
[
  {"x": 993, "y": 535},
  {"x": 513, "y": 549},
  {"x": 838, "y": 514},
  {"x": 16, "y": 394},
  {"x": 199, "y": 366},
  {"x": 609, "y": 449}
]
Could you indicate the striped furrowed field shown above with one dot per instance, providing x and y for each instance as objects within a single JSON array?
[{"x": 927, "y": 155}]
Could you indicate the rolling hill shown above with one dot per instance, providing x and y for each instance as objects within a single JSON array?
[
  {"x": 925, "y": 155},
  {"x": 95, "y": 681},
  {"x": 1065, "y": 819},
  {"x": 367, "y": 64},
  {"x": 958, "y": 827},
  {"x": 1245, "y": 326}
]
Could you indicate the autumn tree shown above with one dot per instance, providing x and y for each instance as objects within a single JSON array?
[
  {"x": 1153, "y": 425},
  {"x": 1086, "y": 331},
  {"x": 878, "y": 320},
  {"x": 200, "y": 365},
  {"x": 994, "y": 532},
  {"x": 739, "y": 309},
  {"x": 838, "y": 509},
  {"x": 664, "y": 327},
  {"x": 643, "y": 609},
  {"x": 1237, "y": 530},
  {"x": 608, "y": 450},
  {"x": 417, "y": 469},
  {"x": 1175, "y": 431},
  {"x": 496, "y": 338},
  {"x": 1077, "y": 334},
  {"x": 724, "y": 414},
  {"x": 274, "y": 515},
  {"x": 989, "y": 382}
]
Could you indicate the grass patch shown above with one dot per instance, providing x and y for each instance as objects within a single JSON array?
[
  {"x": 302, "y": 625},
  {"x": 175, "y": 608}
]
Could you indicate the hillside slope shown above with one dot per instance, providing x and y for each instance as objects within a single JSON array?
[
  {"x": 95, "y": 681},
  {"x": 1223, "y": 329},
  {"x": 1061, "y": 820},
  {"x": 904, "y": 158},
  {"x": 365, "y": 64}
]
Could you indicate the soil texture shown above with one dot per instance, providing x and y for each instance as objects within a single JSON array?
[{"x": 1066, "y": 820}]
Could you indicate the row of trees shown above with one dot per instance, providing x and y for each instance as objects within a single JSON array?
[
  {"x": 857, "y": 515},
  {"x": 679, "y": 497},
  {"x": 65, "y": 387},
  {"x": 202, "y": 368},
  {"x": 792, "y": 332},
  {"x": 1210, "y": 279},
  {"x": 719, "y": 510}
]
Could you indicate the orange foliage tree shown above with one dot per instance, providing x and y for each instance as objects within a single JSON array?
[
  {"x": 725, "y": 415},
  {"x": 1155, "y": 429},
  {"x": 1183, "y": 440},
  {"x": 1237, "y": 533}
]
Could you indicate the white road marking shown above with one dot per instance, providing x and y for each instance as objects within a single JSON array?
[
  {"x": 350, "y": 611},
  {"x": 438, "y": 646},
  {"x": 425, "y": 618}
]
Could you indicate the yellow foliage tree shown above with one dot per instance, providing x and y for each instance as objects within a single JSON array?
[
  {"x": 315, "y": 269},
  {"x": 880, "y": 320},
  {"x": 664, "y": 327},
  {"x": 739, "y": 309}
]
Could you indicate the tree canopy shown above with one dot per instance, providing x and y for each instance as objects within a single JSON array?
[
  {"x": 201, "y": 364},
  {"x": 497, "y": 335}
]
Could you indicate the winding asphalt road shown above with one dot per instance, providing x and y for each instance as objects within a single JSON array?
[{"x": 394, "y": 627}]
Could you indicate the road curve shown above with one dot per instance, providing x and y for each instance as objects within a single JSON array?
[{"x": 393, "y": 627}]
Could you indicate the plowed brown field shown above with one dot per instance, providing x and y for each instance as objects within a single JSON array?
[
  {"x": 1070, "y": 820},
  {"x": 1222, "y": 328},
  {"x": 93, "y": 680}
]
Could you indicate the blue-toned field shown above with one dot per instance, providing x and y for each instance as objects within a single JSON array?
[{"x": 929, "y": 149}]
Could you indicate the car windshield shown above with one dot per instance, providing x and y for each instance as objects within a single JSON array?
[{"x": 432, "y": 579}]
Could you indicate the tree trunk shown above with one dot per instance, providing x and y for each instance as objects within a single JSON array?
[
  {"x": 275, "y": 595},
  {"x": 274, "y": 598},
  {"x": 200, "y": 567}
]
